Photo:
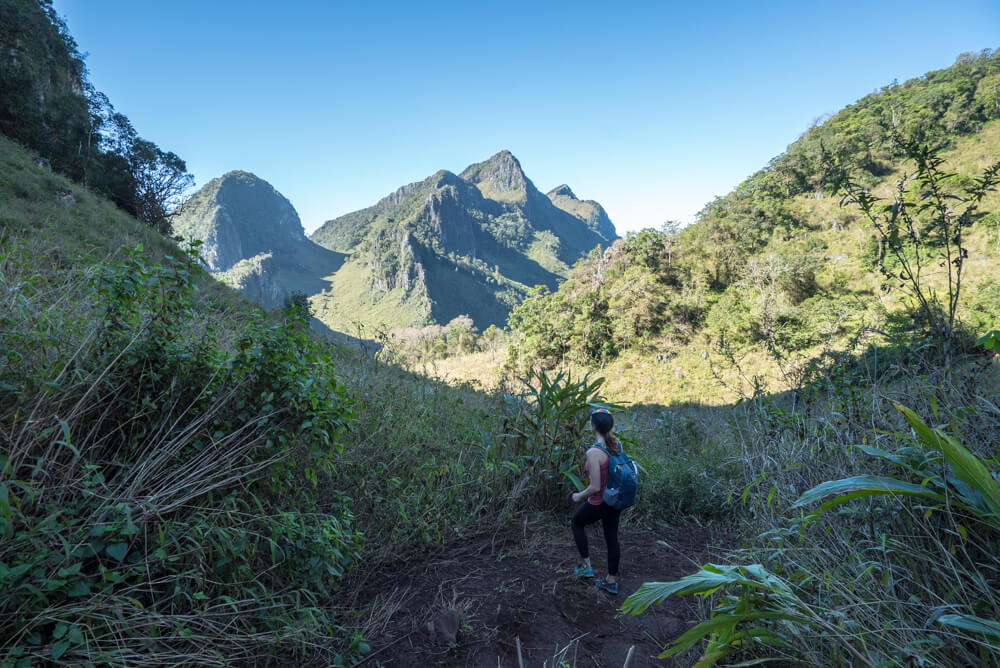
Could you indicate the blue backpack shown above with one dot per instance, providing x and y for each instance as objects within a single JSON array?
[{"x": 623, "y": 479}]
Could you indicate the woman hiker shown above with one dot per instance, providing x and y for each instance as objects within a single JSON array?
[{"x": 593, "y": 507}]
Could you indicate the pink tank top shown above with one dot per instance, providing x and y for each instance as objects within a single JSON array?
[{"x": 598, "y": 498}]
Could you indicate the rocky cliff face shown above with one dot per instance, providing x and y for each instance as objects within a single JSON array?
[
  {"x": 470, "y": 244},
  {"x": 259, "y": 278},
  {"x": 254, "y": 240},
  {"x": 589, "y": 211},
  {"x": 238, "y": 216},
  {"x": 500, "y": 177}
]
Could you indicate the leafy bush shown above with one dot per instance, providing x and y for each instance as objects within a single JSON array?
[
  {"x": 613, "y": 300},
  {"x": 758, "y": 609},
  {"x": 545, "y": 427},
  {"x": 158, "y": 502},
  {"x": 684, "y": 474},
  {"x": 922, "y": 227}
]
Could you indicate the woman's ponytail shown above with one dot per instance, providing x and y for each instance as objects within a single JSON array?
[{"x": 603, "y": 423}]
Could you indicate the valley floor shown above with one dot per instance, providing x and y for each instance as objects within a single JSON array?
[{"x": 468, "y": 604}]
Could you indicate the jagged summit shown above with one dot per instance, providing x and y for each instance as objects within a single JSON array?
[
  {"x": 500, "y": 177},
  {"x": 467, "y": 244},
  {"x": 561, "y": 191}
]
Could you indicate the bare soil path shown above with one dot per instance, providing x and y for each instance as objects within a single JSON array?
[{"x": 474, "y": 602}]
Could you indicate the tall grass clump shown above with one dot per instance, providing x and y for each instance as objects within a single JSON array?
[
  {"x": 687, "y": 470},
  {"x": 890, "y": 562},
  {"x": 547, "y": 432},
  {"x": 414, "y": 459},
  {"x": 426, "y": 462},
  {"x": 159, "y": 497}
]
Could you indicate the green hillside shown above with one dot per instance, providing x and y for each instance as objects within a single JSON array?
[
  {"x": 452, "y": 245},
  {"x": 795, "y": 345},
  {"x": 778, "y": 272},
  {"x": 807, "y": 347},
  {"x": 48, "y": 104}
]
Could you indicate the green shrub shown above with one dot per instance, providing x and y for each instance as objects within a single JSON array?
[
  {"x": 545, "y": 427},
  {"x": 417, "y": 460},
  {"x": 683, "y": 473},
  {"x": 158, "y": 502}
]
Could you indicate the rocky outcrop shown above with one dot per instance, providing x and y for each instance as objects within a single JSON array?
[
  {"x": 258, "y": 278},
  {"x": 500, "y": 177},
  {"x": 589, "y": 211},
  {"x": 561, "y": 191},
  {"x": 394, "y": 264},
  {"x": 253, "y": 239},
  {"x": 238, "y": 216}
]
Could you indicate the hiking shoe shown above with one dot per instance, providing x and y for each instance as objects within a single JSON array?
[
  {"x": 610, "y": 587},
  {"x": 584, "y": 571}
]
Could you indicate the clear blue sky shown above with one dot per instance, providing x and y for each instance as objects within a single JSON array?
[{"x": 650, "y": 108}]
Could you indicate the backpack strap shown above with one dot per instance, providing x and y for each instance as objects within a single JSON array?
[{"x": 608, "y": 452}]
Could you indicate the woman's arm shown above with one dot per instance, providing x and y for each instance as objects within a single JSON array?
[{"x": 594, "y": 479}]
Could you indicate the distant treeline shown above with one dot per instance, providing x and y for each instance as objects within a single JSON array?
[{"x": 48, "y": 104}]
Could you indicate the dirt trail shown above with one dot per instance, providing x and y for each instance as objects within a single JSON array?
[{"x": 484, "y": 593}]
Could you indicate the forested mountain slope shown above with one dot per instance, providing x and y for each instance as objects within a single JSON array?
[
  {"x": 48, "y": 104},
  {"x": 777, "y": 272}
]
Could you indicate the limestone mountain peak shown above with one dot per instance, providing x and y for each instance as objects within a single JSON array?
[
  {"x": 500, "y": 177},
  {"x": 238, "y": 216},
  {"x": 471, "y": 244},
  {"x": 253, "y": 239}
]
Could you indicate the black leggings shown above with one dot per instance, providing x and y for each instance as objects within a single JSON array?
[{"x": 588, "y": 513}]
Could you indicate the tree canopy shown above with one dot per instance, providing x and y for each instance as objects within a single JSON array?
[{"x": 48, "y": 104}]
